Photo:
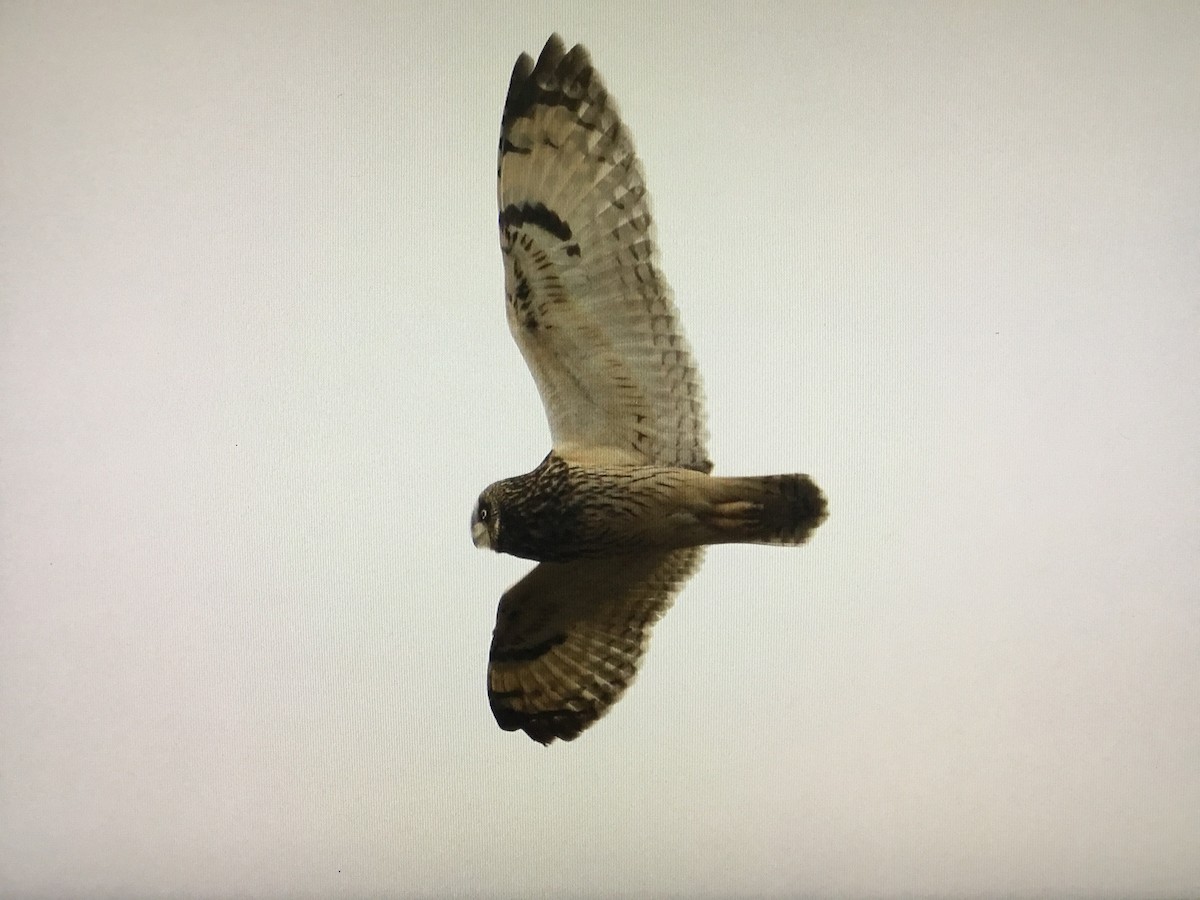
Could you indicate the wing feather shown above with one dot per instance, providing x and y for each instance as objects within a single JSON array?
[
  {"x": 569, "y": 638},
  {"x": 588, "y": 307}
]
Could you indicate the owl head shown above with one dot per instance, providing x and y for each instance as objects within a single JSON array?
[
  {"x": 533, "y": 516},
  {"x": 485, "y": 520}
]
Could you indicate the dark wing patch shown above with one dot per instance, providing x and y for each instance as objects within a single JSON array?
[{"x": 514, "y": 216}]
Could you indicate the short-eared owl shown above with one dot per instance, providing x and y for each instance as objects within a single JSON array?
[{"x": 618, "y": 513}]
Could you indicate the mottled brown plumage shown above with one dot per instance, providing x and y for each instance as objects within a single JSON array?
[
  {"x": 562, "y": 511},
  {"x": 618, "y": 513}
]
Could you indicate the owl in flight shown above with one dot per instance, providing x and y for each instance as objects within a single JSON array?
[{"x": 619, "y": 512}]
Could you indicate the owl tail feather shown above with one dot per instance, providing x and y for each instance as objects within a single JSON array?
[{"x": 769, "y": 509}]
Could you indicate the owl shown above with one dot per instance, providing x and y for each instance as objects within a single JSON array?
[{"x": 618, "y": 514}]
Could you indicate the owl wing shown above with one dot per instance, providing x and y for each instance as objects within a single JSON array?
[
  {"x": 569, "y": 637},
  {"x": 587, "y": 305}
]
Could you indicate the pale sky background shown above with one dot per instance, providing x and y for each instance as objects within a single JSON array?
[{"x": 255, "y": 370}]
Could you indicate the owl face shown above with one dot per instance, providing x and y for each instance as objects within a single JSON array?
[
  {"x": 534, "y": 516},
  {"x": 485, "y": 521}
]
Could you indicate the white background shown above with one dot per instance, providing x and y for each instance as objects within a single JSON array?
[{"x": 255, "y": 370}]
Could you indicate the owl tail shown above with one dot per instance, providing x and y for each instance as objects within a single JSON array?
[{"x": 770, "y": 509}]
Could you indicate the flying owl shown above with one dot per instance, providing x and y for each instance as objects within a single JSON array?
[{"x": 617, "y": 515}]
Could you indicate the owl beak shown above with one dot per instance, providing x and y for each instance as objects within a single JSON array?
[{"x": 480, "y": 536}]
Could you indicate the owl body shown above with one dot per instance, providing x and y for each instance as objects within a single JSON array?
[{"x": 565, "y": 510}]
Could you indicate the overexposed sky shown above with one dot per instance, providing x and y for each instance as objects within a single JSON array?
[{"x": 254, "y": 371}]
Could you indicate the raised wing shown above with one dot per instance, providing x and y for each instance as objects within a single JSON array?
[
  {"x": 588, "y": 307},
  {"x": 569, "y": 637}
]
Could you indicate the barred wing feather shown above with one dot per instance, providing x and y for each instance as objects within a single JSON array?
[{"x": 587, "y": 304}]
